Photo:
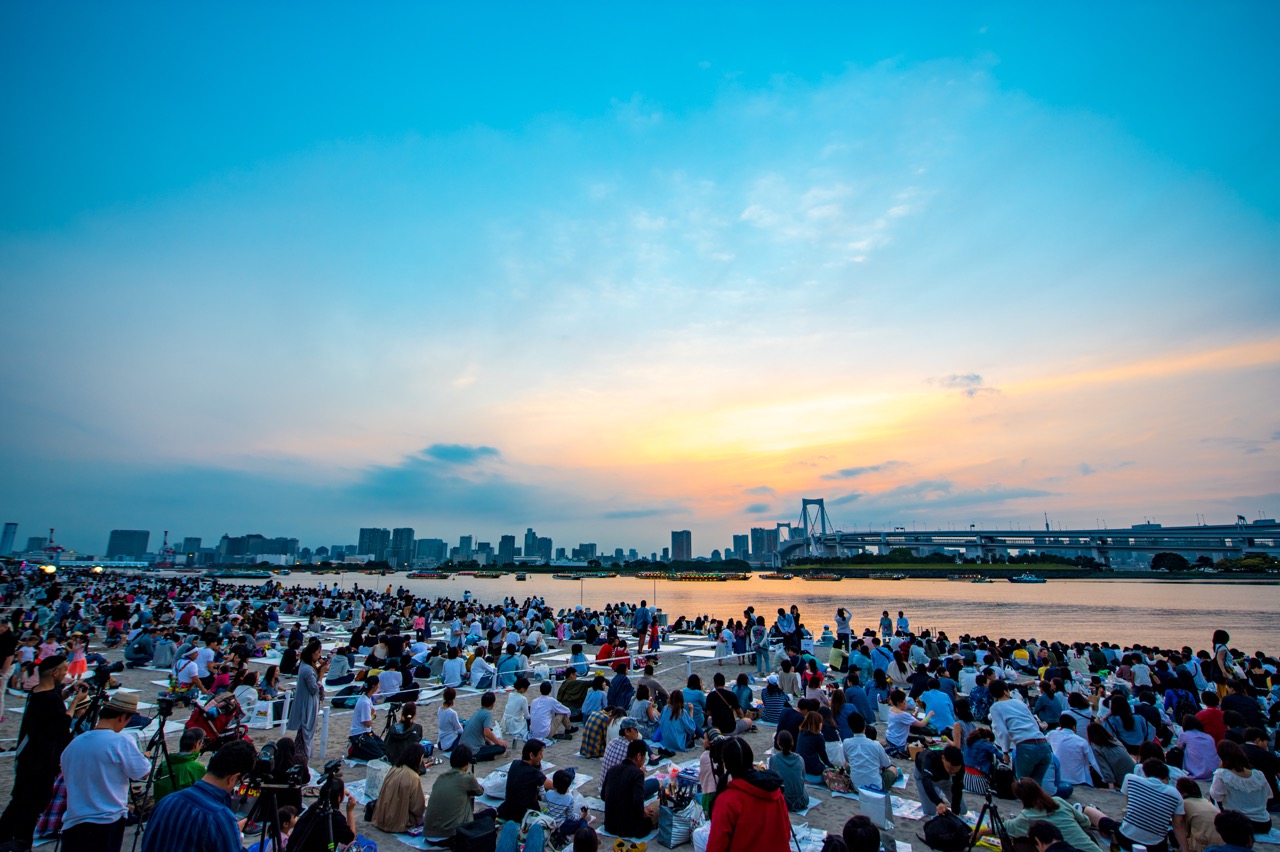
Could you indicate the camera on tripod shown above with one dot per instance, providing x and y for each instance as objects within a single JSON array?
[
  {"x": 394, "y": 707},
  {"x": 103, "y": 672}
]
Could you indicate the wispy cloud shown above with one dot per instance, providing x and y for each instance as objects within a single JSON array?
[
  {"x": 852, "y": 472},
  {"x": 460, "y": 454},
  {"x": 758, "y": 508}
]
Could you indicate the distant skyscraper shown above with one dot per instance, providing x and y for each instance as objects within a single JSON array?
[
  {"x": 466, "y": 547},
  {"x": 543, "y": 550},
  {"x": 715, "y": 556},
  {"x": 506, "y": 550},
  {"x": 128, "y": 544},
  {"x": 6, "y": 541},
  {"x": 432, "y": 550},
  {"x": 666, "y": 554},
  {"x": 617, "y": 555},
  {"x": 400, "y": 553},
  {"x": 190, "y": 550},
  {"x": 374, "y": 543},
  {"x": 681, "y": 545},
  {"x": 561, "y": 554},
  {"x": 741, "y": 546},
  {"x": 760, "y": 543},
  {"x": 36, "y": 542},
  {"x": 530, "y": 542}
]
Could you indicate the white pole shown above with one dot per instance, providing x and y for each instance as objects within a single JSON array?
[{"x": 324, "y": 733}]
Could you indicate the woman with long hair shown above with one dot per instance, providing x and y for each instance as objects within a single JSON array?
[
  {"x": 405, "y": 732},
  {"x": 1039, "y": 805},
  {"x": 750, "y": 812},
  {"x": 1132, "y": 731},
  {"x": 675, "y": 725},
  {"x": 1237, "y": 786},
  {"x": 307, "y": 698},
  {"x": 1114, "y": 761}
]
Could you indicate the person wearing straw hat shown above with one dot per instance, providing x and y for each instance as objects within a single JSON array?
[{"x": 97, "y": 767}]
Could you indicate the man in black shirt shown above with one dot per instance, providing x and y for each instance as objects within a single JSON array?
[
  {"x": 8, "y": 646},
  {"x": 722, "y": 706},
  {"x": 1257, "y": 747},
  {"x": 1245, "y": 704},
  {"x": 625, "y": 814},
  {"x": 935, "y": 772},
  {"x": 525, "y": 781},
  {"x": 43, "y": 734}
]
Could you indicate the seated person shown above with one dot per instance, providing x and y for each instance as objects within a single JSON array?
[
  {"x": 1236, "y": 830},
  {"x": 478, "y": 735},
  {"x": 184, "y": 768},
  {"x": 400, "y": 805},
  {"x": 625, "y": 813},
  {"x": 860, "y": 835},
  {"x": 525, "y": 782},
  {"x": 790, "y": 768},
  {"x": 573, "y": 692},
  {"x": 310, "y": 834},
  {"x": 452, "y": 797},
  {"x": 1153, "y": 805}
]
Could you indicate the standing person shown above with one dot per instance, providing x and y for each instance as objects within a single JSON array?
[
  {"x": 1220, "y": 671},
  {"x": 43, "y": 733},
  {"x": 750, "y": 812},
  {"x": 306, "y": 699},
  {"x": 199, "y": 818},
  {"x": 760, "y": 644},
  {"x": 886, "y": 625},
  {"x": 1014, "y": 726},
  {"x": 843, "y": 633},
  {"x": 97, "y": 767},
  {"x": 903, "y": 624},
  {"x": 640, "y": 621}
]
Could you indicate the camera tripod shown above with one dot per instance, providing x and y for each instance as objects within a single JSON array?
[
  {"x": 266, "y": 813},
  {"x": 322, "y": 810},
  {"x": 991, "y": 811},
  {"x": 159, "y": 762}
]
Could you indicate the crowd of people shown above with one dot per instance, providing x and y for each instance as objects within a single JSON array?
[{"x": 1186, "y": 736}]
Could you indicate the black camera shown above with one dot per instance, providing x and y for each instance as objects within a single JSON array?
[
  {"x": 333, "y": 769},
  {"x": 265, "y": 762},
  {"x": 102, "y": 674},
  {"x": 394, "y": 707},
  {"x": 164, "y": 705}
]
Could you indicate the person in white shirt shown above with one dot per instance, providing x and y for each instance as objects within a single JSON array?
[
  {"x": 454, "y": 668},
  {"x": 389, "y": 682},
  {"x": 97, "y": 767},
  {"x": 1075, "y": 757},
  {"x": 448, "y": 724},
  {"x": 869, "y": 763},
  {"x": 1015, "y": 726},
  {"x": 482, "y": 672},
  {"x": 515, "y": 717},
  {"x": 548, "y": 718},
  {"x": 362, "y": 718}
]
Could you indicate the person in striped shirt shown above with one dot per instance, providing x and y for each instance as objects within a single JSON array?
[
  {"x": 199, "y": 818},
  {"x": 1152, "y": 806}
]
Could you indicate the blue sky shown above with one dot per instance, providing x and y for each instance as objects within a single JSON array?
[{"x": 614, "y": 271}]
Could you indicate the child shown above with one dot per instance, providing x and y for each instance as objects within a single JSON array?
[
  {"x": 560, "y": 802},
  {"x": 77, "y": 665},
  {"x": 578, "y": 660},
  {"x": 515, "y": 717}
]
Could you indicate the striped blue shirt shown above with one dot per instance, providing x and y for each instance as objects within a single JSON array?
[{"x": 197, "y": 819}]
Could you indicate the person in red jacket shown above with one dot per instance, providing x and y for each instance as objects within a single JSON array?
[
  {"x": 750, "y": 813},
  {"x": 1211, "y": 717}
]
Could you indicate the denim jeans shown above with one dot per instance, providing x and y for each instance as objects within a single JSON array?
[
  {"x": 762, "y": 660},
  {"x": 1032, "y": 760}
]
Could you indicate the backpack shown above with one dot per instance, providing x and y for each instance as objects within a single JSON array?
[
  {"x": 946, "y": 833},
  {"x": 1184, "y": 705}
]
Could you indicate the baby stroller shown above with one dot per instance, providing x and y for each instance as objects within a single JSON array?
[{"x": 221, "y": 719}]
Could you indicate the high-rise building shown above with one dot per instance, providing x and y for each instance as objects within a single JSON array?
[
  {"x": 586, "y": 550},
  {"x": 561, "y": 554},
  {"x": 129, "y": 544},
  {"x": 666, "y": 554},
  {"x": 400, "y": 554},
  {"x": 6, "y": 540},
  {"x": 681, "y": 545},
  {"x": 617, "y": 555},
  {"x": 190, "y": 549},
  {"x": 763, "y": 542},
  {"x": 35, "y": 543},
  {"x": 432, "y": 550},
  {"x": 506, "y": 550},
  {"x": 466, "y": 547},
  {"x": 374, "y": 543},
  {"x": 530, "y": 542},
  {"x": 321, "y": 554},
  {"x": 715, "y": 556},
  {"x": 742, "y": 546}
]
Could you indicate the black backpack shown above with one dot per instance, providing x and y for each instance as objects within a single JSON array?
[
  {"x": 946, "y": 833},
  {"x": 1184, "y": 706}
]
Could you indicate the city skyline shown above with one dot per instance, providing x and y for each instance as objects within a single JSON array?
[{"x": 614, "y": 275}]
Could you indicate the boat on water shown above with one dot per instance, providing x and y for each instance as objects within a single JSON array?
[
  {"x": 1027, "y": 578},
  {"x": 189, "y": 570},
  {"x": 237, "y": 574},
  {"x": 466, "y": 573},
  {"x": 654, "y": 575},
  {"x": 522, "y": 576},
  {"x": 427, "y": 575},
  {"x": 980, "y": 580},
  {"x": 776, "y": 576},
  {"x": 588, "y": 575},
  {"x": 826, "y": 577},
  {"x": 885, "y": 575},
  {"x": 962, "y": 577},
  {"x": 283, "y": 572},
  {"x": 489, "y": 575}
]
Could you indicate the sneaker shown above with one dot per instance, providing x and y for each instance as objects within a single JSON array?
[{"x": 1077, "y": 807}]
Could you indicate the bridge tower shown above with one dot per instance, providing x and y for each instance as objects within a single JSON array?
[{"x": 814, "y": 523}]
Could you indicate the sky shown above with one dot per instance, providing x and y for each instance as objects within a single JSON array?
[{"x": 614, "y": 270}]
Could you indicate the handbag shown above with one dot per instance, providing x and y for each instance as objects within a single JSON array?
[
  {"x": 877, "y": 806},
  {"x": 837, "y": 780},
  {"x": 835, "y": 754},
  {"x": 675, "y": 827},
  {"x": 479, "y": 835},
  {"x": 495, "y": 785},
  {"x": 532, "y": 818}
]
